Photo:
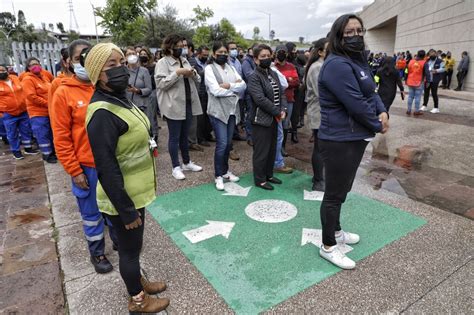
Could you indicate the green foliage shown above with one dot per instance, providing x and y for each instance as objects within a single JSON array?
[
  {"x": 201, "y": 16},
  {"x": 163, "y": 23},
  {"x": 125, "y": 19},
  {"x": 256, "y": 33},
  {"x": 223, "y": 31},
  {"x": 72, "y": 36},
  {"x": 60, "y": 27}
]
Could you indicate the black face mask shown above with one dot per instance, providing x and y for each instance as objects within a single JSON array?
[
  {"x": 221, "y": 59},
  {"x": 354, "y": 44},
  {"x": 177, "y": 52},
  {"x": 432, "y": 57},
  {"x": 3, "y": 75},
  {"x": 117, "y": 78},
  {"x": 265, "y": 63},
  {"x": 281, "y": 56},
  {"x": 143, "y": 59},
  {"x": 291, "y": 56},
  {"x": 203, "y": 60}
]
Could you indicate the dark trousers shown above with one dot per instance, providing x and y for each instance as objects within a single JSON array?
[
  {"x": 317, "y": 159},
  {"x": 178, "y": 139},
  {"x": 461, "y": 75},
  {"x": 224, "y": 134},
  {"x": 264, "y": 150},
  {"x": 341, "y": 160},
  {"x": 16, "y": 128},
  {"x": 93, "y": 223},
  {"x": 449, "y": 77},
  {"x": 433, "y": 87},
  {"x": 129, "y": 246},
  {"x": 297, "y": 107},
  {"x": 204, "y": 126}
]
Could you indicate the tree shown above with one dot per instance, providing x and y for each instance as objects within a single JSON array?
[
  {"x": 51, "y": 27},
  {"x": 125, "y": 19},
  {"x": 201, "y": 16},
  {"x": 60, "y": 27},
  {"x": 72, "y": 36},
  {"x": 21, "y": 19},
  {"x": 256, "y": 33},
  {"x": 301, "y": 39},
  {"x": 163, "y": 23},
  {"x": 7, "y": 21},
  {"x": 272, "y": 34}
]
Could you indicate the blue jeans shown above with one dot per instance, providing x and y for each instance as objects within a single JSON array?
[
  {"x": 92, "y": 220},
  {"x": 287, "y": 120},
  {"x": 3, "y": 131},
  {"x": 178, "y": 139},
  {"x": 414, "y": 94},
  {"x": 16, "y": 127},
  {"x": 42, "y": 130},
  {"x": 224, "y": 133},
  {"x": 279, "y": 161}
]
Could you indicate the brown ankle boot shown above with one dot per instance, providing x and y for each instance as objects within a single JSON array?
[
  {"x": 152, "y": 287},
  {"x": 149, "y": 304}
]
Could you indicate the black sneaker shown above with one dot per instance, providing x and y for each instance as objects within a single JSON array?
[
  {"x": 17, "y": 155},
  {"x": 101, "y": 264},
  {"x": 31, "y": 151},
  {"x": 51, "y": 158},
  {"x": 5, "y": 140},
  {"x": 115, "y": 247}
]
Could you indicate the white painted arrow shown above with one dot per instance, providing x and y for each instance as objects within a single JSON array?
[
  {"x": 315, "y": 237},
  {"x": 233, "y": 189},
  {"x": 208, "y": 231},
  {"x": 313, "y": 195}
]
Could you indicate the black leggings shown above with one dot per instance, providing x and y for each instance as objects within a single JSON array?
[
  {"x": 341, "y": 160},
  {"x": 129, "y": 246},
  {"x": 434, "y": 92},
  {"x": 317, "y": 159}
]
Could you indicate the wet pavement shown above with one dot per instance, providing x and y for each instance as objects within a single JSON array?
[{"x": 30, "y": 275}]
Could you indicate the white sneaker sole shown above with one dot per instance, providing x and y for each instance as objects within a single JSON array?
[{"x": 342, "y": 266}]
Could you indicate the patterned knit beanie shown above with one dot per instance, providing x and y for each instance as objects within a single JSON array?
[{"x": 96, "y": 59}]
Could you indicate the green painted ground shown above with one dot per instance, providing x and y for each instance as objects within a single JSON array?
[{"x": 263, "y": 264}]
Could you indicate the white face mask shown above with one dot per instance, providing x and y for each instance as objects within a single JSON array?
[
  {"x": 132, "y": 59},
  {"x": 80, "y": 72}
]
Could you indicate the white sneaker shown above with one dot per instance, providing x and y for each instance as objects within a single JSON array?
[
  {"x": 191, "y": 167},
  {"x": 343, "y": 237},
  {"x": 219, "y": 183},
  {"x": 231, "y": 177},
  {"x": 434, "y": 111},
  {"x": 178, "y": 173},
  {"x": 423, "y": 108},
  {"x": 335, "y": 256}
]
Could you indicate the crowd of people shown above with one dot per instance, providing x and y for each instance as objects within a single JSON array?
[
  {"x": 423, "y": 73},
  {"x": 99, "y": 117}
]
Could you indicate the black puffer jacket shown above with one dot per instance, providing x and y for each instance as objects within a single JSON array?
[{"x": 261, "y": 91}]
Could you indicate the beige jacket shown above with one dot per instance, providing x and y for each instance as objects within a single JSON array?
[
  {"x": 312, "y": 95},
  {"x": 170, "y": 89}
]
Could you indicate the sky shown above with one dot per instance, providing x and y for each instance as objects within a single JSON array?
[{"x": 290, "y": 19}]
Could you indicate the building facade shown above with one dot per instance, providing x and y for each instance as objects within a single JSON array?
[{"x": 401, "y": 25}]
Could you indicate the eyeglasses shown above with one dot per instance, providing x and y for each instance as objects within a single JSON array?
[{"x": 354, "y": 32}]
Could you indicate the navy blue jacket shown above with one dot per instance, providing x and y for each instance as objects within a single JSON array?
[{"x": 349, "y": 104}]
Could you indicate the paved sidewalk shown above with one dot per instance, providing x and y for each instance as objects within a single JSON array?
[
  {"x": 429, "y": 270},
  {"x": 30, "y": 275}
]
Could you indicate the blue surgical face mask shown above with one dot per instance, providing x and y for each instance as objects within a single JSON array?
[
  {"x": 184, "y": 52},
  {"x": 80, "y": 72},
  {"x": 233, "y": 53}
]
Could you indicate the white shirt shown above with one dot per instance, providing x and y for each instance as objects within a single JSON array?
[{"x": 229, "y": 75}]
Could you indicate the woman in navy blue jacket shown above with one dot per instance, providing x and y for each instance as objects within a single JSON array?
[{"x": 351, "y": 114}]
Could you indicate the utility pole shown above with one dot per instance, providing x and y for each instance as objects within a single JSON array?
[
  {"x": 95, "y": 23},
  {"x": 269, "y": 24}
]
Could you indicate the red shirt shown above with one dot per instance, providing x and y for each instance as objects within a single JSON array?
[{"x": 289, "y": 71}]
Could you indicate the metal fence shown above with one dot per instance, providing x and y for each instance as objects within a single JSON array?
[{"x": 47, "y": 53}]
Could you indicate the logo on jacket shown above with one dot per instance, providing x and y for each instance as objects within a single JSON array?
[
  {"x": 363, "y": 76},
  {"x": 80, "y": 104}
]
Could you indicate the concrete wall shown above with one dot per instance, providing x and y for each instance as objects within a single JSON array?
[{"x": 422, "y": 24}]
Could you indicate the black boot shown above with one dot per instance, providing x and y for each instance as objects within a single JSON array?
[
  {"x": 283, "y": 145},
  {"x": 101, "y": 264},
  {"x": 294, "y": 136}
]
